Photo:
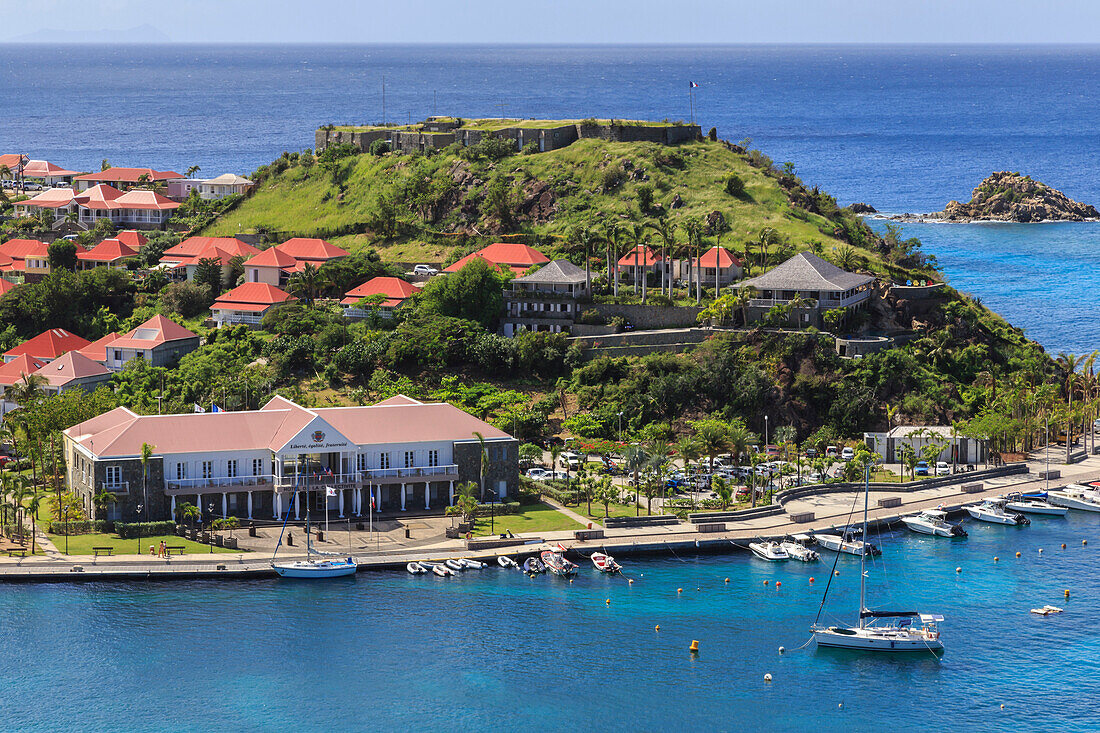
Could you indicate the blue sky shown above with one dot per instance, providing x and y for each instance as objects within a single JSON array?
[{"x": 556, "y": 21}]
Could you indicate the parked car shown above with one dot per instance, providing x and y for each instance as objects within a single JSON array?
[
  {"x": 832, "y": 452},
  {"x": 943, "y": 468},
  {"x": 425, "y": 270},
  {"x": 539, "y": 474},
  {"x": 771, "y": 450},
  {"x": 811, "y": 453},
  {"x": 570, "y": 460},
  {"x": 848, "y": 453},
  {"x": 922, "y": 468},
  {"x": 815, "y": 478}
]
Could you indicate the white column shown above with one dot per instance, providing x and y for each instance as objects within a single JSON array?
[
  {"x": 402, "y": 497},
  {"x": 173, "y": 508},
  {"x": 225, "y": 505},
  {"x": 250, "y": 505},
  {"x": 276, "y": 504},
  {"x": 451, "y": 493},
  {"x": 342, "y": 503},
  {"x": 378, "y": 498},
  {"x": 427, "y": 495},
  {"x": 297, "y": 504},
  {"x": 359, "y": 502}
]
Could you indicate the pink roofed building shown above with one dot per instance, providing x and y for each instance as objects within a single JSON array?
[
  {"x": 272, "y": 266},
  {"x": 16, "y": 370},
  {"x": 247, "y": 303},
  {"x": 718, "y": 266},
  {"x": 314, "y": 251},
  {"x": 60, "y": 201},
  {"x": 124, "y": 178},
  {"x": 391, "y": 293},
  {"x": 72, "y": 371},
  {"x": 182, "y": 260},
  {"x": 388, "y": 458},
  {"x": 48, "y": 173},
  {"x": 507, "y": 256},
  {"x": 138, "y": 208},
  {"x": 161, "y": 342}
]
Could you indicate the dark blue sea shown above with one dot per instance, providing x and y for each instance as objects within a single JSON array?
[{"x": 905, "y": 129}]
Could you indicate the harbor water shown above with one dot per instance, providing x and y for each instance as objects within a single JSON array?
[{"x": 494, "y": 649}]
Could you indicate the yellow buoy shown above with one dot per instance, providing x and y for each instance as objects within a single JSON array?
[
  {"x": 1002, "y": 706},
  {"x": 727, "y": 580},
  {"x": 679, "y": 590},
  {"x": 781, "y": 650},
  {"x": 1017, "y": 554},
  {"x": 657, "y": 627},
  {"x": 768, "y": 677},
  {"x": 996, "y": 559},
  {"x": 840, "y": 706},
  {"x": 1084, "y": 542},
  {"x": 1063, "y": 545},
  {"x": 630, "y": 581},
  {"x": 1040, "y": 550},
  {"x": 836, "y": 573},
  {"x": 694, "y": 646},
  {"x": 765, "y": 582},
  {"x": 1067, "y": 593},
  {"x": 609, "y": 601}
]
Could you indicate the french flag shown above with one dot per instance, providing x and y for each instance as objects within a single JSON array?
[{"x": 692, "y": 85}]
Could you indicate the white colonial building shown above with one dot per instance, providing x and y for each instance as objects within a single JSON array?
[{"x": 400, "y": 454}]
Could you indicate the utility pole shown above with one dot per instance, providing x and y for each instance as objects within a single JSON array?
[
  {"x": 383, "y": 100},
  {"x": 502, "y": 105},
  {"x": 435, "y": 109}
]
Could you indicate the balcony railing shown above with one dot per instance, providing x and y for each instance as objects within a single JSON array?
[
  {"x": 412, "y": 472},
  {"x": 219, "y": 482},
  {"x": 306, "y": 480},
  {"x": 248, "y": 318},
  {"x": 267, "y": 481},
  {"x": 115, "y": 487},
  {"x": 534, "y": 314}
]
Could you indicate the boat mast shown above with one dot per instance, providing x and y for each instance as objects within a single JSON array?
[{"x": 863, "y": 553}]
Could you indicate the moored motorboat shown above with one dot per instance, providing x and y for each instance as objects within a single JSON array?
[
  {"x": 933, "y": 522},
  {"x": 455, "y": 564},
  {"x": 797, "y": 550},
  {"x": 506, "y": 562},
  {"x": 556, "y": 563},
  {"x": 605, "y": 563},
  {"x": 533, "y": 566},
  {"x": 472, "y": 564},
  {"x": 416, "y": 568},
  {"x": 994, "y": 512},
  {"x": 770, "y": 551},
  {"x": 846, "y": 543},
  {"x": 1075, "y": 496},
  {"x": 1033, "y": 504}
]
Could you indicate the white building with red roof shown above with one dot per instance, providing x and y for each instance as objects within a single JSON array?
[
  {"x": 719, "y": 267},
  {"x": 247, "y": 303},
  {"x": 20, "y": 258},
  {"x": 108, "y": 253},
  {"x": 139, "y": 208},
  {"x": 16, "y": 370},
  {"x": 314, "y": 251},
  {"x": 507, "y": 256},
  {"x": 48, "y": 173},
  {"x": 272, "y": 266},
  {"x": 133, "y": 239},
  {"x": 14, "y": 162},
  {"x": 47, "y": 346},
  {"x": 183, "y": 260},
  {"x": 638, "y": 262},
  {"x": 60, "y": 201},
  {"x": 123, "y": 178},
  {"x": 161, "y": 342},
  {"x": 390, "y": 292},
  {"x": 397, "y": 455},
  {"x": 72, "y": 371}
]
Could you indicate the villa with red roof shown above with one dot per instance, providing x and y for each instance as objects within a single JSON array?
[
  {"x": 274, "y": 266},
  {"x": 13, "y": 162},
  {"x": 14, "y": 371},
  {"x": 247, "y": 303},
  {"x": 133, "y": 239},
  {"x": 47, "y": 172},
  {"x": 639, "y": 260},
  {"x": 124, "y": 178},
  {"x": 393, "y": 292},
  {"x": 47, "y": 346},
  {"x": 314, "y": 251},
  {"x": 108, "y": 253},
  {"x": 137, "y": 207},
  {"x": 719, "y": 267},
  {"x": 61, "y": 201},
  {"x": 24, "y": 258},
  {"x": 183, "y": 259},
  {"x": 161, "y": 342},
  {"x": 507, "y": 256},
  {"x": 386, "y": 458},
  {"x": 72, "y": 371}
]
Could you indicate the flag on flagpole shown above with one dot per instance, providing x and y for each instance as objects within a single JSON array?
[
  {"x": 330, "y": 491},
  {"x": 214, "y": 408},
  {"x": 198, "y": 408},
  {"x": 692, "y": 85}
]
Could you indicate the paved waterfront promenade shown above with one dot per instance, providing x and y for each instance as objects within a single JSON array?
[{"x": 389, "y": 547}]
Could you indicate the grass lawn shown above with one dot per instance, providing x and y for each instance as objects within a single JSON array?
[
  {"x": 537, "y": 518},
  {"x": 885, "y": 477},
  {"x": 82, "y": 544},
  {"x": 614, "y": 510}
]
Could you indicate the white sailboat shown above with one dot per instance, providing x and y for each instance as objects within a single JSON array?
[
  {"x": 311, "y": 567},
  {"x": 880, "y": 631}
]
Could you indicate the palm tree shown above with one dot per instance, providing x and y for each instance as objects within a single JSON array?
[
  {"x": 742, "y": 299},
  {"x": 614, "y": 236},
  {"x": 658, "y": 463},
  {"x": 768, "y": 236},
  {"x": 483, "y": 455},
  {"x": 146, "y": 454},
  {"x": 103, "y": 499},
  {"x": 1069, "y": 364},
  {"x": 666, "y": 230},
  {"x": 586, "y": 238},
  {"x": 687, "y": 450},
  {"x": 307, "y": 284},
  {"x": 635, "y": 457},
  {"x": 33, "y": 503},
  {"x": 555, "y": 452},
  {"x": 713, "y": 438},
  {"x": 187, "y": 510},
  {"x": 191, "y": 171},
  {"x": 739, "y": 439},
  {"x": 845, "y": 257}
]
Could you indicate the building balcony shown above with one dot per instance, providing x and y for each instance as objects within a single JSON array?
[
  {"x": 250, "y": 319},
  {"x": 541, "y": 315},
  {"x": 426, "y": 473},
  {"x": 218, "y": 484},
  {"x": 115, "y": 487}
]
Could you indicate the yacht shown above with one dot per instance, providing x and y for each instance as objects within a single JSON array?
[
  {"x": 879, "y": 631},
  {"x": 770, "y": 551},
  {"x": 933, "y": 522},
  {"x": 1076, "y": 496},
  {"x": 993, "y": 511},
  {"x": 1033, "y": 504},
  {"x": 846, "y": 543}
]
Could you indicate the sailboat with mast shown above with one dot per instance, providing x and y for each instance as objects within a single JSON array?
[
  {"x": 880, "y": 631},
  {"x": 314, "y": 566}
]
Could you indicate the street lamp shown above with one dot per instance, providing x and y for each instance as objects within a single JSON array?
[
  {"x": 138, "y": 533},
  {"x": 765, "y": 433},
  {"x": 67, "y": 528},
  {"x": 210, "y": 510},
  {"x": 492, "y": 511},
  {"x": 620, "y": 426}
]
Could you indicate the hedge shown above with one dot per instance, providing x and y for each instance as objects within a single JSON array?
[
  {"x": 503, "y": 507},
  {"x": 130, "y": 530},
  {"x": 556, "y": 490},
  {"x": 83, "y": 526}
]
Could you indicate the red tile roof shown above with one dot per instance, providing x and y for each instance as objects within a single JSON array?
[
  {"x": 314, "y": 250},
  {"x": 396, "y": 290},
  {"x": 5, "y": 285},
  {"x": 243, "y": 297},
  {"x": 21, "y": 249},
  {"x": 97, "y": 350},
  {"x": 51, "y": 198},
  {"x": 273, "y": 257},
  {"x": 15, "y": 370},
  {"x": 128, "y": 175},
  {"x": 44, "y": 168},
  {"x": 646, "y": 257},
  {"x": 132, "y": 239},
  {"x": 99, "y": 197},
  {"x": 48, "y": 345},
  {"x": 139, "y": 198},
  {"x": 516, "y": 257},
  {"x": 109, "y": 250},
  {"x": 12, "y": 160},
  {"x": 69, "y": 367},
  {"x": 721, "y": 255},
  {"x": 154, "y": 332},
  {"x": 195, "y": 245}
]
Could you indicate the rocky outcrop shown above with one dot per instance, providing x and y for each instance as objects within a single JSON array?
[
  {"x": 862, "y": 208},
  {"x": 1006, "y": 196}
]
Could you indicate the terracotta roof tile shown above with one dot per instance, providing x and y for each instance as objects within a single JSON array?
[{"x": 48, "y": 344}]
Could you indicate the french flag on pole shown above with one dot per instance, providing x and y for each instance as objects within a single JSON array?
[{"x": 692, "y": 85}]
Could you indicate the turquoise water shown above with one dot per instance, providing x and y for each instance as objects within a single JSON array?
[{"x": 496, "y": 650}]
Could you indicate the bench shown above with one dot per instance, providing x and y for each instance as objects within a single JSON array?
[
  {"x": 802, "y": 517},
  {"x": 711, "y": 527},
  {"x": 973, "y": 488},
  {"x": 176, "y": 549},
  {"x": 17, "y": 551},
  {"x": 889, "y": 502},
  {"x": 587, "y": 534},
  {"x": 97, "y": 551}
]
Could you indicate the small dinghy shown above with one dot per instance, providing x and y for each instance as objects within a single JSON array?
[
  {"x": 506, "y": 562},
  {"x": 1046, "y": 610},
  {"x": 456, "y": 565},
  {"x": 472, "y": 564},
  {"x": 797, "y": 550},
  {"x": 533, "y": 566},
  {"x": 994, "y": 512},
  {"x": 605, "y": 563},
  {"x": 556, "y": 563},
  {"x": 770, "y": 551},
  {"x": 415, "y": 568},
  {"x": 438, "y": 568}
]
